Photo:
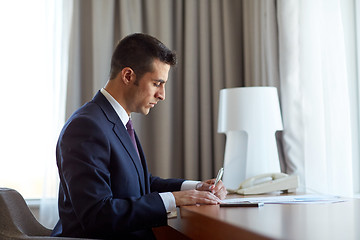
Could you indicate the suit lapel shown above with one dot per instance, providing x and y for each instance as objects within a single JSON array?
[
  {"x": 143, "y": 161},
  {"x": 121, "y": 133},
  {"x": 124, "y": 138}
]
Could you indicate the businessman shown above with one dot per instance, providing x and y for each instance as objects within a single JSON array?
[{"x": 105, "y": 188}]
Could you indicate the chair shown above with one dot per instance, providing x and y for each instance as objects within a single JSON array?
[{"x": 17, "y": 221}]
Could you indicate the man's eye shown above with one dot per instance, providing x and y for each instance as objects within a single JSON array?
[{"x": 157, "y": 84}]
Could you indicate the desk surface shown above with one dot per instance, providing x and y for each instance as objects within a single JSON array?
[{"x": 272, "y": 221}]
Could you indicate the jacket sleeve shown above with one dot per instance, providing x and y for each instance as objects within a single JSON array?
[{"x": 165, "y": 185}]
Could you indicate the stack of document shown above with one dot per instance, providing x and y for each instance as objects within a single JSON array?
[{"x": 292, "y": 199}]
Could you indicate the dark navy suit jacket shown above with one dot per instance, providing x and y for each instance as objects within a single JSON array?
[{"x": 105, "y": 190}]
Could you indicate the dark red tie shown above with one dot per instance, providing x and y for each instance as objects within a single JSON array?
[{"x": 130, "y": 130}]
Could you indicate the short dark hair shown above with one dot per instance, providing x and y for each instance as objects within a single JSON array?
[{"x": 138, "y": 51}]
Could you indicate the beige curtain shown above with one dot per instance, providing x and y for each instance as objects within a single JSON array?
[
  {"x": 220, "y": 44},
  {"x": 320, "y": 135}
]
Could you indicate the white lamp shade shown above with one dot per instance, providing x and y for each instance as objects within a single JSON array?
[
  {"x": 250, "y": 117},
  {"x": 248, "y": 109}
]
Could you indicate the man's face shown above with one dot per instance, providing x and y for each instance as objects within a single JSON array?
[{"x": 150, "y": 89}]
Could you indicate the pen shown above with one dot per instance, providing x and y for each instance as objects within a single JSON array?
[
  {"x": 219, "y": 176},
  {"x": 242, "y": 204}
]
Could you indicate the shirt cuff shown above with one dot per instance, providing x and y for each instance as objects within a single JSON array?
[
  {"x": 189, "y": 185},
  {"x": 169, "y": 201}
]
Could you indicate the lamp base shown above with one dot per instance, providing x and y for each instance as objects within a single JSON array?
[
  {"x": 235, "y": 159},
  {"x": 246, "y": 157}
]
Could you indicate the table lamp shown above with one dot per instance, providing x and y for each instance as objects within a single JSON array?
[{"x": 250, "y": 117}]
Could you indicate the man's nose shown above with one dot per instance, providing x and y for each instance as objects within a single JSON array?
[{"x": 161, "y": 93}]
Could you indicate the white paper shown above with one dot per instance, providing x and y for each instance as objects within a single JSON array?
[{"x": 293, "y": 199}]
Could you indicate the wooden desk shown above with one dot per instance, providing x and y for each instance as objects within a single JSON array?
[{"x": 272, "y": 221}]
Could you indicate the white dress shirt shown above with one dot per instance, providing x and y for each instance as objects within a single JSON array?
[{"x": 167, "y": 197}]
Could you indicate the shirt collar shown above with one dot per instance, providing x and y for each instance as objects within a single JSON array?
[{"x": 124, "y": 117}]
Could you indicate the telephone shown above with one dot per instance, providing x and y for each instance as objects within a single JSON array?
[{"x": 265, "y": 183}]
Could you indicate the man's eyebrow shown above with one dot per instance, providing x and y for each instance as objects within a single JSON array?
[{"x": 159, "y": 80}]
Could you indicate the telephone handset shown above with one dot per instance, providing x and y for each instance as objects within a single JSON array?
[{"x": 265, "y": 183}]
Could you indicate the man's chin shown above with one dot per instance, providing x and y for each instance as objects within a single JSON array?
[{"x": 145, "y": 111}]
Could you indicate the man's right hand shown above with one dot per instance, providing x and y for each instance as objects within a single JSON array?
[{"x": 192, "y": 197}]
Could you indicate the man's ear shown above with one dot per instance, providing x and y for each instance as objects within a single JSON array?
[{"x": 128, "y": 75}]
